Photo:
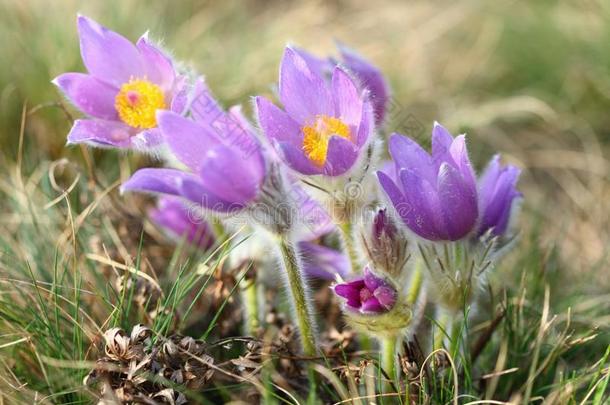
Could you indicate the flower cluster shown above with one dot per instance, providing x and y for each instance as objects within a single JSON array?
[{"x": 421, "y": 222}]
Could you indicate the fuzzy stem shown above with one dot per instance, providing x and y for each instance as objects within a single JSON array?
[
  {"x": 300, "y": 302},
  {"x": 416, "y": 284},
  {"x": 250, "y": 300},
  {"x": 388, "y": 356},
  {"x": 349, "y": 246}
]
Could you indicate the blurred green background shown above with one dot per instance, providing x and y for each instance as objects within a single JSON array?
[{"x": 529, "y": 79}]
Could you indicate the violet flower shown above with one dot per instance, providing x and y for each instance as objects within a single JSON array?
[
  {"x": 325, "y": 127},
  {"x": 125, "y": 86},
  {"x": 174, "y": 216},
  {"x": 434, "y": 195},
  {"x": 221, "y": 175},
  {"x": 497, "y": 197},
  {"x": 367, "y": 294}
]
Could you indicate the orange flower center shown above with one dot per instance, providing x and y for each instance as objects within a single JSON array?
[
  {"x": 137, "y": 103},
  {"x": 317, "y": 135}
]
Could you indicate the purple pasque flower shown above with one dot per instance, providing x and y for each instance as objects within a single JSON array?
[
  {"x": 179, "y": 221},
  {"x": 125, "y": 86},
  {"x": 434, "y": 195},
  {"x": 325, "y": 126},
  {"x": 368, "y": 294},
  {"x": 368, "y": 75},
  {"x": 225, "y": 166},
  {"x": 497, "y": 196}
]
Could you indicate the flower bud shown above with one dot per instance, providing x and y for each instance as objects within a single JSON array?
[
  {"x": 385, "y": 245},
  {"x": 375, "y": 305}
]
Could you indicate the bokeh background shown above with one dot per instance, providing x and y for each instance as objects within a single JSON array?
[{"x": 529, "y": 79}]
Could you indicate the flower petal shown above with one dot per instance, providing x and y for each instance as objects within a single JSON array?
[
  {"x": 386, "y": 296},
  {"x": 371, "y": 280},
  {"x": 497, "y": 191},
  {"x": 193, "y": 190},
  {"x": 351, "y": 292},
  {"x": 458, "y": 202},
  {"x": 348, "y": 103},
  {"x": 188, "y": 140},
  {"x": 370, "y": 78},
  {"x": 441, "y": 142},
  {"x": 276, "y": 124},
  {"x": 295, "y": 158},
  {"x": 90, "y": 95},
  {"x": 407, "y": 154},
  {"x": 158, "y": 66},
  {"x": 101, "y": 133},
  {"x": 303, "y": 93},
  {"x": 147, "y": 139},
  {"x": 174, "y": 215},
  {"x": 424, "y": 217},
  {"x": 228, "y": 176},
  {"x": 372, "y": 305},
  {"x": 157, "y": 180},
  {"x": 365, "y": 127},
  {"x": 396, "y": 196},
  {"x": 341, "y": 156},
  {"x": 108, "y": 55}
]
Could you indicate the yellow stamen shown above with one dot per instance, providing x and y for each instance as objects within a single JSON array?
[
  {"x": 137, "y": 103},
  {"x": 317, "y": 135}
]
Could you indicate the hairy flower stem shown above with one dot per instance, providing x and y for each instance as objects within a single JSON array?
[
  {"x": 417, "y": 280},
  {"x": 300, "y": 301},
  {"x": 250, "y": 300},
  {"x": 347, "y": 237},
  {"x": 388, "y": 357}
]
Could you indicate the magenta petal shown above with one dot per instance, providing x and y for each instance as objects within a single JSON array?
[
  {"x": 276, "y": 123},
  {"x": 348, "y": 104},
  {"x": 458, "y": 201},
  {"x": 303, "y": 93},
  {"x": 188, "y": 140},
  {"x": 108, "y": 55},
  {"x": 351, "y": 292},
  {"x": 90, "y": 95},
  {"x": 101, "y": 133},
  {"x": 372, "y": 305},
  {"x": 371, "y": 280},
  {"x": 386, "y": 296},
  {"x": 153, "y": 180},
  {"x": 159, "y": 68},
  {"x": 341, "y": 156}
]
